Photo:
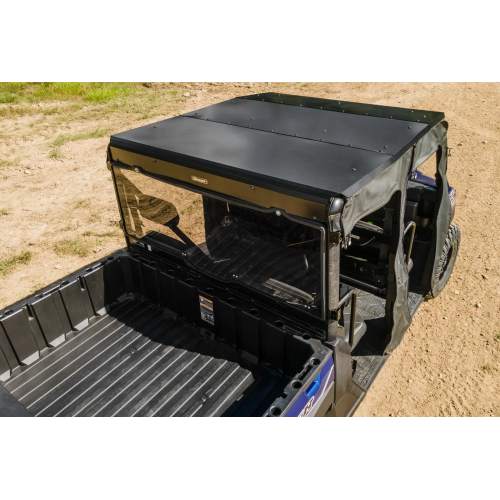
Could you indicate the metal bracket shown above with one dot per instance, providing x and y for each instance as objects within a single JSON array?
[
  {"x": 352, "y": 323},
  {"x": 413, "y": 226},
  {"x": 336, "y": 237}
]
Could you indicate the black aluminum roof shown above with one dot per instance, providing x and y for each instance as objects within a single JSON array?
[{"x": 308, "y": 147}]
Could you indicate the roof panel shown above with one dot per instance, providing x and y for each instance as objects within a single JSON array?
[
  {"x": 371, "y": 133},
  {"x": 289, "y": 163},
  {"x": 298, "y": 147},
  {"x": 357, "y": 108}
]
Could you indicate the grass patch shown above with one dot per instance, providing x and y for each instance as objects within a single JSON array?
[
  {"x": 65, "y": 138},
  {"x": 94, "y": 218},
  {"x": 106, "y": 234},
  {"x": 65, "y": 91},
  {"x": 108, "y": 92},
  {"x": 4, "y": 211},
  {"x": 91, "y": 101},
  {"x": 192, "y": 206},
  {"x": 55, "y": 154},
  {"x": 109, "y": 234},
  {"x": 10, "y": 163},
  {"x": 76, "y": 247},
  {"x": 10, "y": 263},
  {"x": 7, "y": 97},
  {"x": 82, "y": 203},
  {"x": 487, "y": 368}
]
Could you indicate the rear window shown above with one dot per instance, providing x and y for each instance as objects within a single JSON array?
[{"x": 265, "y": 251}]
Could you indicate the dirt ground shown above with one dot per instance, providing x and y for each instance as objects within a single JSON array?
[{"x": 59, "y": 205}]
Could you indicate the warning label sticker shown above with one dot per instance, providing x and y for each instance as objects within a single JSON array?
[{"x": 207, "y": 310}]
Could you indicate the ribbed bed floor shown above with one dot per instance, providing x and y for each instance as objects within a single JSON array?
[{"x": 137, "y": 361}]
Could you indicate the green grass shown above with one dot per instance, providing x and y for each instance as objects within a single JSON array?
[
  {"x": 108, "y": 92},
  {"x": 93, "y": 134},
  {"x": 74, "y": 247},
  {"x": 65, "y": 91},
  {"x": 55, "y": 154},
  {"x": 10, "y": 263},
  {"x": 7, "y": 97},
  {"x": 10, "y": 163},
  {"x": 90, "y": 101},
  {"x": 487, "y": 368},
  {"x": 4, "y": 211}
]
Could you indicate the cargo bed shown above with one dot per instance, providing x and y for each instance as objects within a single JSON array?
[{"x": 136, "y": 357}]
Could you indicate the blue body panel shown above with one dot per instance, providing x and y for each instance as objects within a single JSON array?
[
  {"x": 426, "y": 180},
  {"x": 307, "y": 401}
]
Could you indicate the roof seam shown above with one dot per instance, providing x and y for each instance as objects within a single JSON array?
[{"x": 288, "y": 135}]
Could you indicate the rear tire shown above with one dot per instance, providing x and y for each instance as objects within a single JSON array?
[{"x": 446, "y": 261}]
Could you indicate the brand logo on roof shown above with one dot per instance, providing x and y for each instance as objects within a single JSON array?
[{"x": 199, "y": 179}]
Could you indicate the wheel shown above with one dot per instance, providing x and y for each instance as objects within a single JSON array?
[{"x": 446, "y": 261}]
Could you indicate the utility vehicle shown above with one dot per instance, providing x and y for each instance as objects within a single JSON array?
[{"x": 277, "y": 248}]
